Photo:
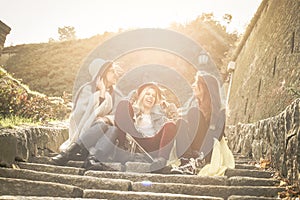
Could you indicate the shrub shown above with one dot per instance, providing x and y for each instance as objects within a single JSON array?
[{"x": 17, "y": 100}]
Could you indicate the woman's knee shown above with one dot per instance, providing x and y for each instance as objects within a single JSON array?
[
  {"x": 170, "y": 125},
  {"x": 124, "y": 106},
  {"x": 170, "y": 128}
]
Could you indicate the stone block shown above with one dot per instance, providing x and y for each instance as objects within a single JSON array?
[
  {"x": 129, "y": 195},
  {"x": 16, "y": 187},
  {"x": 252, "y": 181},
  {"x": 84, "y": 182},
  {"x": 51, "y": 168},
  {"x": 22, "y": 144},
  {"x": 137, "y": 167},
  {"x": 8, "y": 144}
]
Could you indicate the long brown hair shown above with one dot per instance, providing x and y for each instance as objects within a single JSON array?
[
  {"x": 205, "y": 99},
  {"x": 116, "y": 69}
]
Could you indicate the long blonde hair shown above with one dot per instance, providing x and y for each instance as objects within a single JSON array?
[{"x": 142, "y": 93}]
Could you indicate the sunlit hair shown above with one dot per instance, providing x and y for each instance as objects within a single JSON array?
[
  {"x": 213, "y": 89},
  {"x": 142, "y": 94},
  {"x": 116, "y": 69},
  {"x": 211, "y": 95}
]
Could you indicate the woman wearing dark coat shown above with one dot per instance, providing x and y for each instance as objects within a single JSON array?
[
  {"x": 203, "y": 121},
  {"x": 91, "y": 117}
]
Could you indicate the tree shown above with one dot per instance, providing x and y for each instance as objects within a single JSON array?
[
  {"x": 51, "y": 40},
  {"x": 67, "y": 33},
  {"x": 227, "y": 18}
]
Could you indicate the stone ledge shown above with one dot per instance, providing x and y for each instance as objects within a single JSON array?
[
  {"x": 8, "y": 197},
  {"x": 275, "y": 139},
  {"x": 129, "y": 195},
  {"x": 208, "y": 190},
  {"x": 51, "y": 168},
  {"x": 22, "y": 143},
  {"x": 170, "y": 178},
  {"x": 37, "y": 188},
  {"x": 84, "y": 182},
  {"x": 251, "y": 181},
  {"x": 237, "y": 197}
]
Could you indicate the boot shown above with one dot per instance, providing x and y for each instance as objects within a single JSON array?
[
  {"x": 69, "y": 154},
  {"x": 91, "y": 163},
  {"x": 158, "y": 164}
]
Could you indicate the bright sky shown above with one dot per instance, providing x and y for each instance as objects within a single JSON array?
[{"x": 35, "y": 21}]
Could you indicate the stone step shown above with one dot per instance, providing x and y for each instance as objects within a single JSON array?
[
  {"x": 238, "y": 156},
  {"x": 125, "y": 175},
  {"x": 244, "y": 182},
  {"x": 78, "y": 181},
  {"x": 160, "y": 178},
  {"x": 243, "y": 161},
  {"x": 187, "y": 179},
  {"x": 245, "y": 166},
  {"x": 51, "y": 168},
  {"x": 47, "y": 160},
  {"x": 157, "y": 183},
  {"x": 251, "y": 181},
  {"x": 249, "y": 173},
  {"x": 84, "y": 182},
  {"x": 10, "y": 197},
  {"x": 121, "y": 180},
  {"x": 130, "y": 195},
  {"x": 156, "y": 177},
  {"x": 76, "y": 164},
  {"x": 237, "y": 197},
  {"x": 140, "y": 190},
  {"x": 208, "y": 190},
  {"x": 11, "y": 186},
  {"x": 241, "y": 164}
]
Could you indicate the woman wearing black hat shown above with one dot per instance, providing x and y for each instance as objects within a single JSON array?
[{"x": 146, "y": 122}]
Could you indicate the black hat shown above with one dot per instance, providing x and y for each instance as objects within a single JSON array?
[{"x": 152, "y": 84}]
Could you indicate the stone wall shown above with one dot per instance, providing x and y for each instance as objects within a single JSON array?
[
  {"x": 267, "y": 63},
  {"x": 24, "y": 143},
  {"x": 4, "y": 30},
  {"x": 276, "y": 138}
]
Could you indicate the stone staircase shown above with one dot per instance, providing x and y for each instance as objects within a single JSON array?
[{"x": 38, "y": 179}]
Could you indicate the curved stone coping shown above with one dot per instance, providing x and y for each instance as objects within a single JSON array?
[
  {"x": 275, "y": 139},
  {"x": 24, "y": 142}
]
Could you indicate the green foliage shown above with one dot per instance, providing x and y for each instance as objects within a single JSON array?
[
  {"x": 213, "y": 37},
  {"x": 17, "y": 100},
  {"x": 67, "y": 33},
  {"x": 12, "y": 121},
  {"x": 50, "y": 68}
]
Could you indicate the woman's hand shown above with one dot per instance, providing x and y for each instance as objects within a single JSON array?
[
  {"x": 170, "y": 109},
  {"x": 104, "y": 119}
]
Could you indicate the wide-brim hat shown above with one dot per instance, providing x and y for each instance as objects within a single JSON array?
[
  {"x": 152, "y": 84},
  {"x": 98, "y": 67}
]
